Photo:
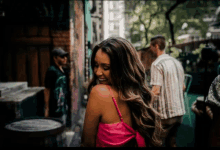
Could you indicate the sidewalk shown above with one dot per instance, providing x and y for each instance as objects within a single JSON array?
[
  {"x": 186, "y": 132},
  {"x": 73, "y": 138}
]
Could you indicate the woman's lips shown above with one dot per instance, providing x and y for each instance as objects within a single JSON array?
[{"x": 101, "y": 80}]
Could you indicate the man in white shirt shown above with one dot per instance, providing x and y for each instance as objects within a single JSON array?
[{"x": 167, "y": 80}]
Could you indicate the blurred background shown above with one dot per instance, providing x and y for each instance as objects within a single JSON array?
[{"x": 29, "y": 30}]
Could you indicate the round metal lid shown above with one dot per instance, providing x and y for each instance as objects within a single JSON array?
[{"x": 35, "y": 127}]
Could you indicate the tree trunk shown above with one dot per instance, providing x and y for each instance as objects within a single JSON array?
[
  {"x": 146, "y": 36},
  {"x": 178, "y": 2}
]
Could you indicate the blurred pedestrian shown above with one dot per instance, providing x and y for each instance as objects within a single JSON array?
[
  {"x": 213, "y": 98},
  {"x": 56, "y": 86},
  {"x": 213, "y": 112},
  {"x": 118, "y": 112},
  {"x": 167, "y": 80},
  {"x": 147, "y": 58}
]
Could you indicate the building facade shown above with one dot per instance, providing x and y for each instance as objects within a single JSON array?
[
  {"x": 114, "y": 19},
  {"x": 30, "y": 30},
  {"x": 94, "y": 32}
]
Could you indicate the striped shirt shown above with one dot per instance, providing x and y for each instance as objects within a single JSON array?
[{"x": 168, "y": 73}]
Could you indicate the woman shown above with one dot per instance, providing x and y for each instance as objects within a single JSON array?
[{"x": 119, "y": 111}]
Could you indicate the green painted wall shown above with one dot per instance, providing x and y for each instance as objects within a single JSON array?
[{"x": 89, "y": 24}]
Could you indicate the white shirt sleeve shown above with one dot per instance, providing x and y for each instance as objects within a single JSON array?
[{"x": 156, "y": 76}]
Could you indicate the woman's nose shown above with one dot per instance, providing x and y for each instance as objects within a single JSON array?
[{"x": 99, "y": 71}]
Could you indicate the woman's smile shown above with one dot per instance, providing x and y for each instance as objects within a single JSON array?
[{"x": 102, "y": 67}]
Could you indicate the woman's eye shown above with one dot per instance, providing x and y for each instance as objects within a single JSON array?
[
  {"x": 106, "y": 68},
  {"x": 96, "y": 65}
]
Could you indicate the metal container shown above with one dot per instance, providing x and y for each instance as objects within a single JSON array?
[{"x": 34, "y": 132}]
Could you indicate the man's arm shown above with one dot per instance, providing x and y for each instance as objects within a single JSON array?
[
  {"x": 46, "y": 101},
  {"x": 49, "y": 83},
  {"x": 156, "y": 81},
  {"x": 156, "y": 91},
  {"x": 184, "y": 87}
]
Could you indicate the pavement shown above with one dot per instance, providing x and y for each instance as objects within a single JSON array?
[
  {"x": 73, "y": 138},
  {"x": 186, "y": 132}
]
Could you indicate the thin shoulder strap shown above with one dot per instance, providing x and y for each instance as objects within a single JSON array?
[{"x": 119, "y": 113}]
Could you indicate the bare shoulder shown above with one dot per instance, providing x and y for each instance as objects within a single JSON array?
[{"x": 100, "y": 91}]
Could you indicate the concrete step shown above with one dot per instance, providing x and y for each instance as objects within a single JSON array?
[
  {"x": 21, "y": 95},
  {"x": 22, "y": 104},
  {"x": 11, "y": 87}
]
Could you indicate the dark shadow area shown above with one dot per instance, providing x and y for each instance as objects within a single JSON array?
[
  {"x": 185, "y": 136},
  {"x": 34, "y": 12}
]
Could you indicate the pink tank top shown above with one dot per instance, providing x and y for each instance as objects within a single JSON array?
[{"x": 117, "y": 134}]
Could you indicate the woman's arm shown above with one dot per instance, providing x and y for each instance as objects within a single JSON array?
[{"x": 92, "y": 118}]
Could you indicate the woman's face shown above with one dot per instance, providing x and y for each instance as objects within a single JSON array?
[{"x": 102, "y": 67}]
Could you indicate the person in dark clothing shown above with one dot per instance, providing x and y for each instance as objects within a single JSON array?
[
  {"x": 211, "y": 114},
  {"x": 56, "y": 87}
]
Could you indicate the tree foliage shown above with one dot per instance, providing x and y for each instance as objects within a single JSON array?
[{"x": 151, "y": 15}]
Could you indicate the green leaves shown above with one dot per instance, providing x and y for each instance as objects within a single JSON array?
[{"x": 151, "y": 14}]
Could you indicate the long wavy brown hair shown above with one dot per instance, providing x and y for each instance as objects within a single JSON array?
[
  {"x": 128, "y": 76},
  {"x": 147, "y": 57}
]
